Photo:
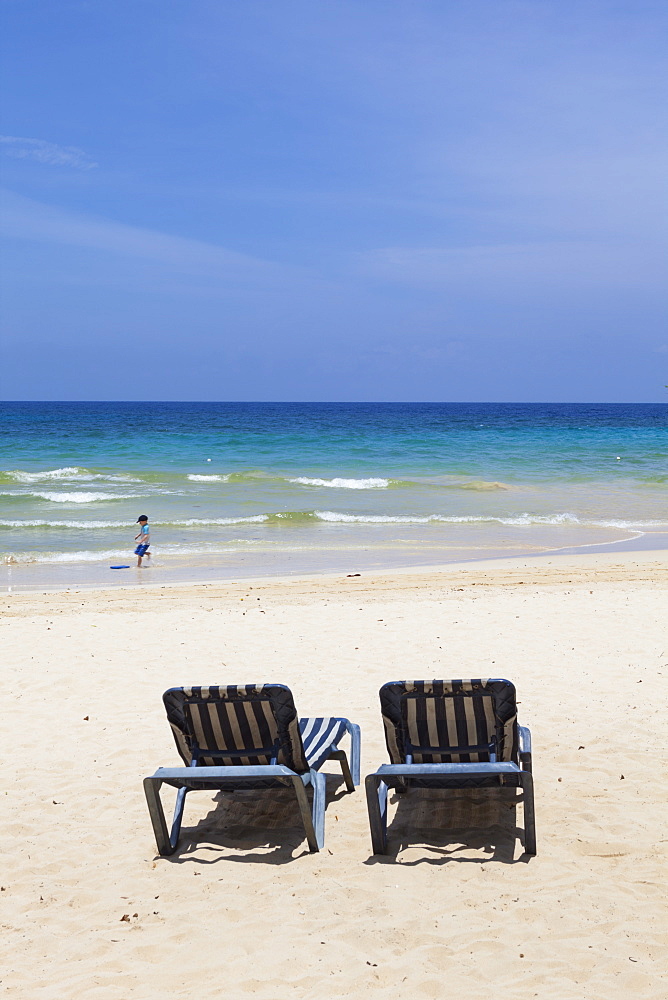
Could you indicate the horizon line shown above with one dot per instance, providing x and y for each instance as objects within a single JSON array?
[{"x": 349, "y": 402}]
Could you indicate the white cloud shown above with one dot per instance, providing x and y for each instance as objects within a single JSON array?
[
  {"x": 22, "y": 148},
  {"x": 508, "y": 268},
  {"x": 25, "y": 219}
]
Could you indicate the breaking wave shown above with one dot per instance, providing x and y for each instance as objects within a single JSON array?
[
  {"x": 207, "y": 479},
  {"x": 87, "y": 525},
  {"x": 372, "y": 483},
  {"x": 69, "y": 473},
  {"x": 76, "y": 475},
  {"x": 519, "y": 519},
  {"x": 334, "y": 517},
  {"x": 83, "y": 497},
  {"x": 348, "y": 483},
  {"x": 90, "y": 525}
]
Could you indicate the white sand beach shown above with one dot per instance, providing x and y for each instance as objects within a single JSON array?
[{"x": 242, "y": 909}]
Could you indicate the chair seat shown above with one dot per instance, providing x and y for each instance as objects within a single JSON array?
[
  {"x": 318, "y": 735},
  {"x": 483, "y": 775}
]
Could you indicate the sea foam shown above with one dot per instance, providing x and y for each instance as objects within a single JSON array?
[
  {"x": 92, "y": 525},
  {"x": 521, "y": 519},
  {"x": 195, "y": 521},
  {"x": 69, "y": 473},
  {"x": 92, "y": 556},
  {"x": 331, "y": 516},
  {"x": 207, "y": 479},
  {"x": 86, "y": 525},
  {"x": 86, "y": 555},
  {"x": 83, "y": 497},
  {"x": 372, "y": 483}
]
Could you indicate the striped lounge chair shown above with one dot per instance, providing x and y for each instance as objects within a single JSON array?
[
  {"x": 450, "y": 734},
  {"x": 249, "y": 737}
]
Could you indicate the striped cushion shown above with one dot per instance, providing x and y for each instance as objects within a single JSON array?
[
  {"x": 449, "y": 716},
  {"x": 260, "y": 718},
  {"x": 318, "y": 735}
]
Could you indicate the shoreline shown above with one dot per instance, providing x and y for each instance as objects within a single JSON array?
[
  {"x": 56, "y": 576},
  {"x": 538, "y": 568}
]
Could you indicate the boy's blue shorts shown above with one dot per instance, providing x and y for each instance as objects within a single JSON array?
[{"x": 141, "y": 550}]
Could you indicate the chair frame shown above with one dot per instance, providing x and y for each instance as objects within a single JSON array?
[{"x": 217, "y": 778}]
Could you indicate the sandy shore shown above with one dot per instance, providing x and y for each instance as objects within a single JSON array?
[{"x": 88, "y": 910}]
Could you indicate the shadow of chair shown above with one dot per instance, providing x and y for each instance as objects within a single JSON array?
[
  {"x": 451, "y": 825},
  {"x": 245, "y": 827}
]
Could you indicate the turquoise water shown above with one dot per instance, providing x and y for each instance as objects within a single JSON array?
[{"x": 239, "y": 489}]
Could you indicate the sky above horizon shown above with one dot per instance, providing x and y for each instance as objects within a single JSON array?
[{"x": 318, "y": 200}]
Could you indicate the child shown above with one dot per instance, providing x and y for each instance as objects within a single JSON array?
[{"x": 144, "y": 539}]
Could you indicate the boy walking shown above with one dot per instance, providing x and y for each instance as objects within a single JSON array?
[{"x": 144, "y": 539}]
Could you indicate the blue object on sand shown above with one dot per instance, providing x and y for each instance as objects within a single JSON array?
[{"x": 119, "y": 567}]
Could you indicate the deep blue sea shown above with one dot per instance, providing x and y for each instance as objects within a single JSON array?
[{"x": 251, "y": 489}]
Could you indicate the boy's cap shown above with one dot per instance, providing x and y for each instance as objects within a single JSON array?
[{"x": 143, "y": 517}]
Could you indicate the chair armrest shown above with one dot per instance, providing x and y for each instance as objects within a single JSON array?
[
  {"x": 203, "y": 777},
  {"x": 355, "y": 734},
  {"x": 448, "y": 770},
  {"x": 525, "y": 746}
]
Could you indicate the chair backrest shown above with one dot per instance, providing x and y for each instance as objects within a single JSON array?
[
  {"x": 240, "y": 725},
  {"x": 443, "y": 722}
]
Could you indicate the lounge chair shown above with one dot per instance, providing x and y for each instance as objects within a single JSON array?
[
  {"x": 450, "y": 734},
  {"x": 249, "y": 737}
]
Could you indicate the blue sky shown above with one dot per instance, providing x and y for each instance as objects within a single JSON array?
[{"x": 334, "y": 200}]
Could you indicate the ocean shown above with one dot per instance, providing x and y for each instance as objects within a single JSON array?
[{"x": 236, "y": 490}]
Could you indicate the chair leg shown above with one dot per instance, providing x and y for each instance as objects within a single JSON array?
[
  {"x": 306, "y": 815},
  {"x": 376, "y": 798},
  {"x": 340, "y": 755},
  {"x": 319, "y": 804},
  {"x": 178, "y": 816},
  {"x": 529, "y": 813},
  {"x": 355, "y": 751},
  {"x": 165, "y": 842}
]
